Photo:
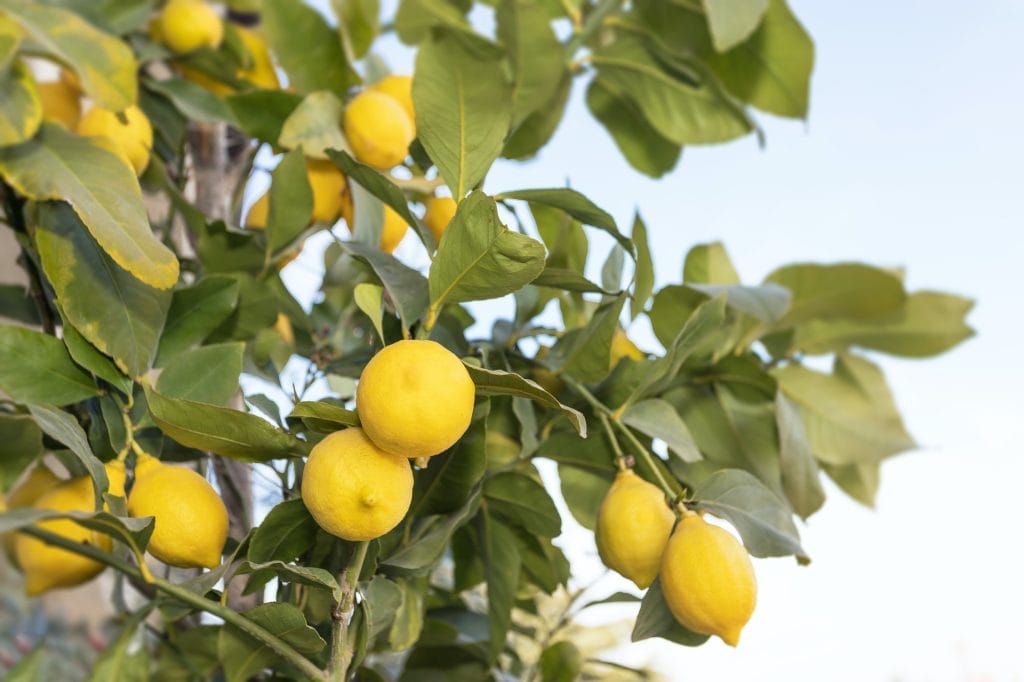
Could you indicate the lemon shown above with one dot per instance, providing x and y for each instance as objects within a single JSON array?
[
  {"x": 188, "y": 25},
  {"x": 353, "y": 489},
  {"x": 622, "y": 347},
  {"x": 145, "y": 464},
  {"x": 261, "y": 72},
  {"x": 328, "y": 185},
  {"x": 132, "y": 139},
  {"x": 400, "y": 89},
  {"x": 47, "y": 567},
  {"x": 39, "y": 481},
  {"x": 191, "y": 522},
  {"x": 70, "y": 79},
  {"x": 708, "y": 580},
  {"x": 283, "y": 327},
  {"x": 440, "y": 211},
  {"x": 633, "y": 525},
  {"x": 392, "y": 231},
  {"x": 415, "y": 398},
  {"x": 61, "y": 103},
  {"x": 256, "y": 219},
  {"x": 378, "y": 128}
]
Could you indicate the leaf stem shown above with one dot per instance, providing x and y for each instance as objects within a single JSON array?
[
  {"x": 620, "y": 458},
  {"x": 279, "y": 646},
  {"x": 341, "y": 652}
]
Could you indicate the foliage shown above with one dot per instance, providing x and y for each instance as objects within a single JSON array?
[{"x": 137, "y": 323}]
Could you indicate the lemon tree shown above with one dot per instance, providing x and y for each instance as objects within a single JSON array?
[{"x": 377, "y": 467}]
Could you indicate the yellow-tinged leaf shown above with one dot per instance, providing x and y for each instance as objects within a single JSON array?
[
  {"x": 21, "y": 112},
  {"x": 58, "y": 165}
]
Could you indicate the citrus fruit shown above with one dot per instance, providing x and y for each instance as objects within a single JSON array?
[
  {"x": 378, "y": 128},
  {"x": 61, "y": 103},
  {"x": 328, "y": 185},
  {"x": 400, "y": 89},
  {"x": 440, "y": 211},
  {"x": 415, "y": 398},
  {"x": 633, "y": 525},
  {"x": 131, "y": 139},
  {"x": 188, "y": 25},
  {"x": 191, "y": 522},
  {"x": 39, "y": 481},
  {"x": 353, "y": 489},
  {"x": 256, "y": 219},
  {"x": 392, "y": 231},
  {"x": 261, "y": 71},
  {"x": 708, "y": 580}
]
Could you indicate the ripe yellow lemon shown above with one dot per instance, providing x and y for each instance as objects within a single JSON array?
[
  {"x": 708, "y": 580},
  {"x": 261, "y": 72},
  {"x": 353, "y": 489},
  {"x": 39, "y": 481},
  {"x": 47, "y": 567},
  {"x": 415, "y": 398},
  {"x": 191, "y": 522},
  {"x": 633, "y": 526},
  {"x": 392, "y": 231},
  {"x": 440, "y": 211},
  {"x": 399, "y": 88},
  {"x": 378, "y": 128},
  {"x": 256, "y": 219},
  {"x": 145, "y": 464},
  {"x": 188, "y": 25},
  {"x": 623, "y": 347},
  {"x": 328, "y": 185},
  {"x": 131, "y": 139},
  {"x": 61, "y": 103}
]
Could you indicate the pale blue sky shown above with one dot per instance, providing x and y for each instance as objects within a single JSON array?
[{"x": 911, "y": 157}]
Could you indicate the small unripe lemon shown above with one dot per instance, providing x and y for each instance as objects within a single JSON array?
[
  {"x": 188, "y": 25},
  {"x": 440, "y": 211},
  {"x": 392, "y": 231},
  {"x": 131, "y": 139},
  {"x": 328, "y": 185},
  {"x": 61, "y": 103},
  {"x": 353, "y": 489},
  {"x": 378, "y": 129},
  {"x": 623, "y": 347},
  {"x": 708, "y": 580},
  {"x": 399, "y": 88},
  {"x": 415, "y": 398},
  {"x": 47, "y": 567},
  {"x": 191, "y": 522},
  {"x": 633, "y": 525}
]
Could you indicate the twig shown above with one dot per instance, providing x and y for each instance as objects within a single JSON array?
[{"x": 341, "y": 651}]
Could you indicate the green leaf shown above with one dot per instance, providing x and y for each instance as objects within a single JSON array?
[
  {"x": 221, "y": 430},
  {"x": 536, "y": 56},
  {"x": 846, "y": 423},
  {"x": 409, "y": 618},
  {"x": 586, "y": 353},
  {"x": 208, "y": 374},
  {"x": 537, "y": 129},
  {"x": 570, "y": 280},
  {"x": 11, "y": 36},
  {"x": 381, "y": 600},
  {"x": 287, "y": 532},
  {"x": 655, "y": 620},
  {"x": 315, "y": 125},
  {"x": 37, "y": 368},
  {"x": 479, "y": 258},
  {"x": 578, "y": 206},
  {"x": 709, "y": 264},
  {"x": 369, "y": 298},
  {"x": 415, "y": 18},
  {"x": 131, "y": 531},
  {"x": 859, "y": 481},
  {"x": 521, "y": 501},
  {"x": 765, "y": 303},
  {"x": 195, "y": 312},
  {"x": 257, "y": 309},
  {"x": 691, "y": 111},
  {"x": 561, "y": 662},
  {"x": 928, "y": 323},
  {"x": 643, "y": 277},
  {"x": 21, "y": 111},
  {"x": 323, "y": 417},
  {"x": 63, "y": 428},
  {"x": 647, "y": 150},
  {"x": 406, "y": 288},
  {"x": 657, "y": 419},
  {"x": 103, "y": 190},
  {"x": 845, "y": 290},
  {"x": 583, "y": 490},
  {"x": 86, "y": 355},
  {"x": 428, "y": 543},
  {"x": 291, "y": 202},
  {"x": 306, "y": 47},
  {"x": 261, "y": 113},
  {"x": 21, "y": 441},
  {"x": 118, "y": 314},
  {"x": 764, "y": 521},
  {"x": 288, "y": 573},
  {"x": 497, "y": 545},
  {"x": 801, "y": 478},
  {"x": 17, "y": 305},
  {"x": 242, "y": 656},
  {"x": 452, "y": 478},
  {"x": 358, "y": 23},
  {"x": 126, "y": 659},
  {"x": 463, "y": 109},
  {"x": 103, "y": 63},
  {"x": 772, "y": 68},
  {"x": 732, "y": 21},
  {"x": 499, "y": 382},
  {"x": 193, "y": 101},
  {"x": 32, "y": 665}
]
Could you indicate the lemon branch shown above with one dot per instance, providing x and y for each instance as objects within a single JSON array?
[
  {"x": 272, "y": 641},
  {"x": 341, "y": 647},
  {"x": 620, "y": 458}
]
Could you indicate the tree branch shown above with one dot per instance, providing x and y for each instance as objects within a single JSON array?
[{"x": 341, "y": 652}]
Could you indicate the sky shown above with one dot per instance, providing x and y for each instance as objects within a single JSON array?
[{"x": 911, "y": 157}]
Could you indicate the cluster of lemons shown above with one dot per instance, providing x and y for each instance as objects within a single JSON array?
[
  {"x": 190, "y": 521},
  {"x": 415, "y": 400},
  {"x": 706, "y": 575}
]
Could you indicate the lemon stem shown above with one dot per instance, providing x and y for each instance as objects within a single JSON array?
[
  {"x": 341, "y": 647},
  {"x": 185, "y": 596}
]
